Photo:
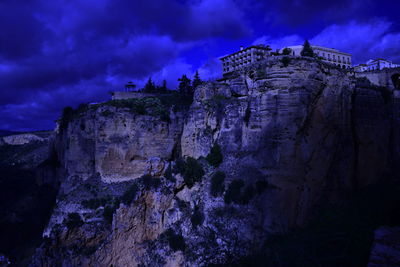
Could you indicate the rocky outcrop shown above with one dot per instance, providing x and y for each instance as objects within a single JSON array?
[
  {"x": 117, "y": 144},
  {"x": 290, "y": 136}
]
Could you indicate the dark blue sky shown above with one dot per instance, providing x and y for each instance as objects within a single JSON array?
[{"x": 61, "y": 52}]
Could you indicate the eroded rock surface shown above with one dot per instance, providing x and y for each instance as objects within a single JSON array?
[{"x": 291, "y": 137}]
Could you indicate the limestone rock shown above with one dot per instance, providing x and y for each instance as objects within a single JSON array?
[{"x": 291, "y": 138}]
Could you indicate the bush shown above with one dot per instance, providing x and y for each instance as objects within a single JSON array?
[
  {"x": 150, "y": 182},
  {"x": 233, "y": 194},
  {"x": 215, "y": 157},
  {"x": 197, "y": 217},
  {"x": 109, "y": 211},
  {"x": 73, "y": 220},
  {"x": 168, "y": 174},
  {"x": 247, "y": 195},
  {"x": 286, "y": 51},
  {"x": 176, "y": 241},
  {"x": 285, "y": 61},
  {"x": 179, "y": 166},
  {"x": 261, "y": 186},
  {"x": 193, "y": 172},
  {"x": 217, "y": 184},
  {"x": 129, "y": 194}
]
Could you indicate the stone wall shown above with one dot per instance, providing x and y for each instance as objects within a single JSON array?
[{"x": 128, "y": 95}]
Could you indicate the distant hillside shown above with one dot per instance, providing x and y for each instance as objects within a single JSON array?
[
  {"x": 7, "y": 132},
  {"x": 43, "y": 134}
]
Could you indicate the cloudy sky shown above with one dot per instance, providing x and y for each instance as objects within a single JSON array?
[{"x": 61, "y": 52}]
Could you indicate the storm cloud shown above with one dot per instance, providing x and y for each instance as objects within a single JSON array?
[{"x": 59, "y": 53}]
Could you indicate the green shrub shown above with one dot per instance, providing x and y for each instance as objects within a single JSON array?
[
  {"x": 261, "y": 186},
  {"x": 73, "y": 220},
  {"x": 286, "y": 51},
  {"x": 197, "y": 217},
  {"x": 215, "y": 157},
  {"x": 150, "y": 182},
  {"x": 179, "y": 166},
  {"x": 247, "y": 195},
  {"x": 175, "y": 241},
  {"x": 193, "y": 172},
  {"x": 285, "y": 61},
  {"x": 129, "y": 194},
  {"x": 168, "y": 174},
  {"x": 217, "y": 184},
  {"x": 233, "y": 194}
]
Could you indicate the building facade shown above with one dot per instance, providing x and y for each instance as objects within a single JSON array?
[
  {"x": 330, "y": 55},
  {"x": 376, "y": 64},
  {"x": 244, "y": 57}
]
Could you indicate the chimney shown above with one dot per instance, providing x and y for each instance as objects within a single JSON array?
[{"x": 241, "y": 48}]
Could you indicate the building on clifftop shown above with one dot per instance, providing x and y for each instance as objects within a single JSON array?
[
  {"x": 329, "y": 55},
  {"x": 244, "y": 57},
  {"x": 376, "y": 64}
]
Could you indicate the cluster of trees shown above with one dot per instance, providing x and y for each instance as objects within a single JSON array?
[{"x": 186, "y": 86}]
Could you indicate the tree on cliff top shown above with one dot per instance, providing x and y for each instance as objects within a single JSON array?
[
  {"x": 307, "y": 50},
  {"x": 149, "y": 86},
  {"x": 196, "y": 80},
  {"x": 185, "y": 87}
]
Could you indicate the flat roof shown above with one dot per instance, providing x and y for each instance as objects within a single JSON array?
[{"x": 247, "y": 48}]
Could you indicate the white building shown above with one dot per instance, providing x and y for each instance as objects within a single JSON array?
[
  {"x": 330, "y": 55},
  {"x": 244, "y": 57},
  {"x": 375, "y": 64}
]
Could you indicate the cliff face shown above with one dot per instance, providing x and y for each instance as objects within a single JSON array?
[
  {"x": 291, "y": 137},
  {"x": 117, "y": 144}
]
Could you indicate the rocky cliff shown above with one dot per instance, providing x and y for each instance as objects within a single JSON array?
[
  {"x": 147, "y": 182},
  {"x": 25, "y": 201}
]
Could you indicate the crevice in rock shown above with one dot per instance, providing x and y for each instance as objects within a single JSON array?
[
  {"x": 310, "y": 113},
  {"x": 179, "y": 189}
]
